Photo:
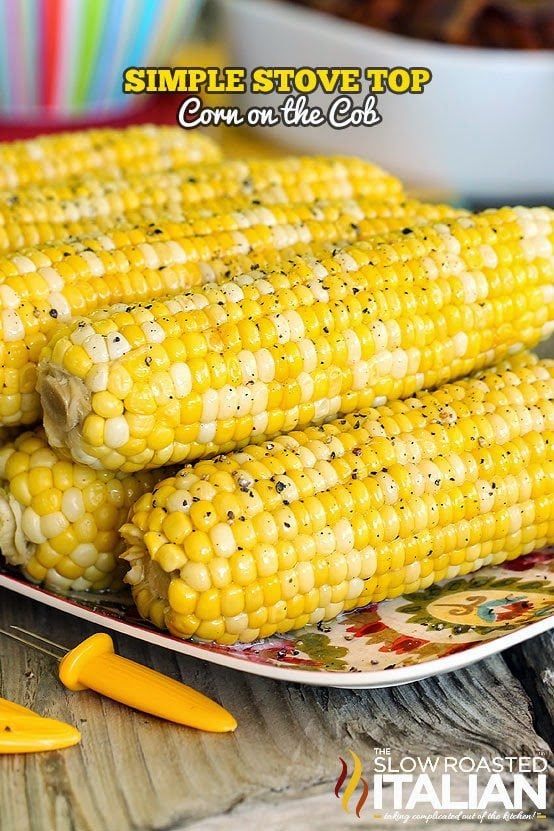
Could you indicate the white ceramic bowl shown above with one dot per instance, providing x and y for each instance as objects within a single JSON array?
[{"x": 484, "y": 127}]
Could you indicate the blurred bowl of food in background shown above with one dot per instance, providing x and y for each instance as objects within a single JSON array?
[
  {"x": 482, "y": 127},
  {"x": 63, "y": 60}
]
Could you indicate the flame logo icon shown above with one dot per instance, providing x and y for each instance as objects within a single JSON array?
[{"x": 355, "y": 780}]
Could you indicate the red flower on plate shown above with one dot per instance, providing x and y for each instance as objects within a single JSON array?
[
  {"x": 367, "y": 628},
  {"x": 403, "y": 644},
  {"x": 513, "y": 610}
]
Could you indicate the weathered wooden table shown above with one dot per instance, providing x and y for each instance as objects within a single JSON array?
[{"x": 279, "y": 768}]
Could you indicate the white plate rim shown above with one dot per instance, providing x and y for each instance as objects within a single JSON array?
[{"x": 376, "y": 679}]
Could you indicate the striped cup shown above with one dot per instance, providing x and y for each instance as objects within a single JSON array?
[{"x": 64, "y": 59}]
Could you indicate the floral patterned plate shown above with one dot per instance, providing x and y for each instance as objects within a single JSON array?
[{"x": 443, "y": 628}]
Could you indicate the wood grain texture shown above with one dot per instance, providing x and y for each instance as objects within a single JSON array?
[
  {"x": 533, "y": 663},
  {"x": 136, "y": 773}
]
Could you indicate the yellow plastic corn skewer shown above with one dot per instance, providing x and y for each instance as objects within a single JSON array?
[
  {"x": 94, "y": 665},
  {"x": 59, "y": 521},
  {"x": 149, "y": 262},
  {"x": 214, "y": 369},
  {"x": 11, "y": 708},
  {"x": 24, "y": 731},
  {"x": 30, "y": 734},
  {"x": 381, "y": 503},
  {"x": 144, "y": 148},
  {"x": 290, "y": 179}
]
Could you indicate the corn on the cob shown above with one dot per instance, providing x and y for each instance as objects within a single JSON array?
[
  {"x": 151, "y": 244},
  {"x": 145, "y": 148},
  {"x": 119, "y": 248},
  {"x": 197, "y": 219},
  {"x": 217, "y": 368},
  {"x": 42, "y": 287},
  {"x": 291, "y": 179},
  {"x": 375, "y": 505},
  {"x": 59, "y": 521}
]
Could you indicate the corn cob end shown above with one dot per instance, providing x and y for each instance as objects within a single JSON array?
[
  {"x": 41, "y": 564},
  {"x": 66, "y": 402}
]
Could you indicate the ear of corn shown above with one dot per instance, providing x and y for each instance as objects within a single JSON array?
[
  {"x": 206, "y": 235},
  {"x": 42, "y": 287},
  {"x": 119, "y": 248},
  {"x": 381, "y": 503},
  {"x": 138, "y": 149},
  {"x": 59, "y": 521},
  {"x": 288, "y": 180},
  {"x": 214, "y": 369},
  {"x": 201, "y": 219}
]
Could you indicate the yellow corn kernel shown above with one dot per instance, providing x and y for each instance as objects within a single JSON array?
[{"x": 182, "y": 597}]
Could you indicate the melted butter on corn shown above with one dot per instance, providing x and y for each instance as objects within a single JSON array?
[{"x": 211, "y": 370}]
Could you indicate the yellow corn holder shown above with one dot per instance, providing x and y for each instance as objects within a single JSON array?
[
  {"x": 94, "y": 665},
  {"x": 24, "y": 731}
]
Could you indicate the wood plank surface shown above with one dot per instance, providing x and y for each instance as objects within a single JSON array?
[
  {"x": 137, "y": 773},
  {"x": 533, "y": 663},
  {"x": 319, "y": 813}
]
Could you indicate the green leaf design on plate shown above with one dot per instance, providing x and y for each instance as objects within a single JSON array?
[{"x": 319, "y": 648}]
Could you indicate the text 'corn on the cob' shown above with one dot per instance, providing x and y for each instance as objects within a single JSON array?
[
  {"x": 138, "y": 149},
  {"x": 141, "y": 386},
  {"x": 375, "y": 505},
  {"x": 59, "y": 521},
  {"x": 44, "y": 286}
]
